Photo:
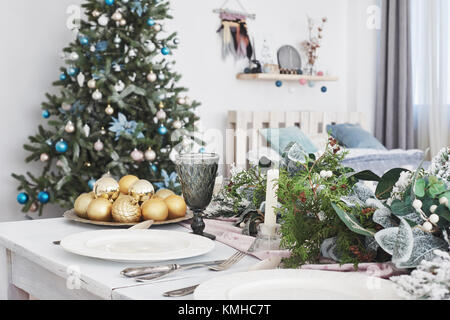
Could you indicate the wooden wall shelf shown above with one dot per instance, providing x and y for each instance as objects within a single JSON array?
[{"x": 283, "y": 77}]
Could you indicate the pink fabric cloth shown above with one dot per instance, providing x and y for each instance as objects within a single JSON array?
[{"x": 227, "y": 233}]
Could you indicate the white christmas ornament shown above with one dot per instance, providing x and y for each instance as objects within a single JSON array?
[
  {"x": 177, "y": 124},
  {"x": 97, "y": 95},
  {"x": 44, "y": 157},
  {"x": 117, "y": 39},
  {"x": 161, "y": 76},
  {"x": 150, "y": 155},
  {"x": 117, "y": 16},
  {"x": 74, "y": 56},
  {"x": 161, "y": 115},
  {"x": 80, "y": 79},
  {"x": 119, "y": 86},
  {"x": 150, "y": 45},
  {"x": 86, "y": 130},
  {"x": 157, "y": 27},
  {"x": 123, "y": 22},
  {"x": 70, "y": 128},
  {"x": 137, "y": 155},
  {"x": 151, "y": 77},
  {"x": 92, "y": 84},
  {"x": 66, "y": 106},
  {"x": 103, "y": 20},
  {"x": 95, "y": 13},
  {"x": 98, "y": 146},
  {"x": 92, "y": 48},
  {"x": 181, "y": 101}
]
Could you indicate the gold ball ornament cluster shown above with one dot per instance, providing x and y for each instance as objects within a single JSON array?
[
  {"x": 106, "y": 188},
  {"x": 82, "y": 203},
  {"x": 126, "y": 209},
  {"x": 141, "y": 190},
  {"x": 130, "y": 200}
]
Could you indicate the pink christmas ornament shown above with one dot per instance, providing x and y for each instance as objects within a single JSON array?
[
  {"x": 98, "y": 146},
  {"x": 320, "y": 73},
  {"x": 137, "y": 155},
  {"x": 303, "y": 82}
]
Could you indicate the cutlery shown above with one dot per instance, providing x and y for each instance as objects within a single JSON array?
[
  {"x": 219, "y": 266},
  {"x": 135, "y": 272},
  {"x": 180, "y": 292},
  {"x": 140, "y": 226}
]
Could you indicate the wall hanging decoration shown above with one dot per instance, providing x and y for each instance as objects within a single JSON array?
[
  {"x": 234, "y": 31},
  {"x": 314, "y": 43}
]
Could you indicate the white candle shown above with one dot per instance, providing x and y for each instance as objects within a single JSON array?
[{"x": 270, "y": 217}]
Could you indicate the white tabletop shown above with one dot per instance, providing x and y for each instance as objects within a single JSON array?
[{"x": 33, "y": 241}]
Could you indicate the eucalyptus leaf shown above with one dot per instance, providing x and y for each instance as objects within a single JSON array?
[
  {"x": 351, "y": 222},
  {"x": 419, "y": 188},
  {"x": 424, "y": 246},
  {"x": 387, "y": 238},
  {"x": 401, "y": 208},
  {"x": 366, "y": 175},
  {"x": 404, "y": 245},
  {"x": 383, "y": 217},
  {"x": 387, "y": 183}
]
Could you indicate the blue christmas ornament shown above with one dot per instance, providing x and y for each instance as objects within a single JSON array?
[
  {"x": 45, "y": 114},
  {"x": 84, "y": 41},
  {"x": 22, "y": 198},
  {"x": 151, "y": 22},
  {"x": 61, "y": 147},
  {"x": 43, "y": 197},
  {"x": 154, "y": 168},
  {"x": 62, "y": 77},
  {"x": 324, "y": 89},
  {"x": 165, "y": 51},
  {"x": 91, "y": 183},
  {"x": 202, "y": 150},
  {"x": 279, "y": 83},
  {"x": 109, "y": 2},
  {"x": 311, "y": 84},
  {"x": 72, "y": 71},
  {"x": 162, "y": 130}
]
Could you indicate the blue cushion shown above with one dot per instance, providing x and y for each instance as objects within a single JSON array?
[
  {"x": 353, "y": 136},
  {"x": 280, "y": 138}
]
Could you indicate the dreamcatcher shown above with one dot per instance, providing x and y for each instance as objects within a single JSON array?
[{"x": 234, "y": 32}]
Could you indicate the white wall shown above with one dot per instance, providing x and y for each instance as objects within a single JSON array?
[{"x": 33, "y": 34}]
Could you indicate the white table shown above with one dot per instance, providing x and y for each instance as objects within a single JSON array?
[{"x": 31, "y": 265}]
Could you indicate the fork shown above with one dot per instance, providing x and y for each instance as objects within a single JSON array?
[
  {"x": 220, "y": 267},
  {"x": 235, "y": 258}
]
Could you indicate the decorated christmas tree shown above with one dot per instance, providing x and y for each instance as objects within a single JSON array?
[{"x": 119, "y": 109}]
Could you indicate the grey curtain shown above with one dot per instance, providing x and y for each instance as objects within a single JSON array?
[{"x": 394, "y": 121}]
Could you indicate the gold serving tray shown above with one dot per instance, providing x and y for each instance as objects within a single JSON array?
[{"x": 71, "y": 215}]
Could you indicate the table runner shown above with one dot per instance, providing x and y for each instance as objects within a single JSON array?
[{"x": 227, "y": 233}]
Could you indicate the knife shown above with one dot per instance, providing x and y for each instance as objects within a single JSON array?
[{"x": 136, "y": 272}]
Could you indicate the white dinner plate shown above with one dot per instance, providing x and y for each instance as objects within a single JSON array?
[
  {"x": 137, "y": 245},
  {"x": 294, "y": 284}
]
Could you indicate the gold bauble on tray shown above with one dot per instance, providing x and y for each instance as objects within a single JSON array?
[
  {"x": 177, "y": 207},
  {"x": 106, "y": 188},
  {"x": 100, "y": 210},
  {"x": 126, "y": 182},
  {"x": 164, "y": 193},
  {"x": 126, "y": 210},
  {"x": 155, "y": 209},
  {"x": 82, "y": 203},
  {"x": 141, "y": 190}
]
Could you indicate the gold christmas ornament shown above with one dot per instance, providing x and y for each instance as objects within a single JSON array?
[
  {"x": 82, "y": 203},
  {"x": 164, "y": 193},
  {"x": 109, "y": 110},
  {"x": 126, "y": 210},
  {"x": 155, "y": 209},
  {"x": 141, "y": 190},
  {"x": 126, "y": 182},
  {"x": 177, "y": 207},
  {"x": 99, "y": 210},
  {"x": 106, "y": 188}
]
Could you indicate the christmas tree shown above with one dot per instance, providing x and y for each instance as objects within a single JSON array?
[{"x": 119, "y": 109}]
